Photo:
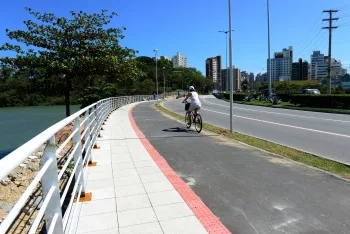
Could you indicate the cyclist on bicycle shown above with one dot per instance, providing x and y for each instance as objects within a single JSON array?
[{"x": 195, "y": 102}]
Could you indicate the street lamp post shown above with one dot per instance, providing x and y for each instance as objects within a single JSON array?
[
  {"x": 226, "y": 57},
  {"x": 164, "y": 80},
  {"x": 268, "y": 46},
  {"x": 155, "y": 52},
  {"x": 231, "y": 70}
]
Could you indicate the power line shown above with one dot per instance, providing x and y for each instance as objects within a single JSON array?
[
  {"x": 324, "y": 47},
  {"x": 322, "y": 40},
  {"x": 311, "y": 31},
  {"x": 301, "y": 53}
]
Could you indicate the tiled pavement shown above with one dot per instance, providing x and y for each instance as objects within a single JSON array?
[{"x": 130, "y": 194}]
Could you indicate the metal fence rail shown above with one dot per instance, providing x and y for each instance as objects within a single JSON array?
[{"x": 90, "y": 119}]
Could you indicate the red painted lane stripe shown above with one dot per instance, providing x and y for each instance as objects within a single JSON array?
[{"x": 210, "y": 222}]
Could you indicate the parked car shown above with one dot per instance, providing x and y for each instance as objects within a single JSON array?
[{"x": 310, "y": 91}]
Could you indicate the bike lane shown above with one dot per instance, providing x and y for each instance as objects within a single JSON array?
[{"x": 249, "y": 190}]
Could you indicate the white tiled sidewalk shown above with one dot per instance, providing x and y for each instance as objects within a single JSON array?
[{"x": 130, "y": 194}]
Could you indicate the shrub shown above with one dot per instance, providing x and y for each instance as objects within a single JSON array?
[
  {"x": 236, "y": 96},
  {"x": 240, "y": 96},
  {"x": 33, "y": 99},
  {"x": 322, "y": 101},
  {"x": 10, "y": 98},
  {"x": 285, "y": 97}
]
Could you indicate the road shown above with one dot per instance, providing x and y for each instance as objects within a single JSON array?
[
  {"x": 249, "y": 190},
  {"x": 322, "y": 134}
]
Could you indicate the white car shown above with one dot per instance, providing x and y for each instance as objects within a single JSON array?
[{"x": 310, "y": 91}]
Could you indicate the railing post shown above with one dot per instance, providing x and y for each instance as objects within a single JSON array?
[
  {"x": 87, "y": 135},
  {"x": 78, "y": 155},
  {"x": 111, "y": 104},
  {"x": 48, "y": 181},
  {"x": 87, "y": 130},
  {"x": 96, "y": 128}
]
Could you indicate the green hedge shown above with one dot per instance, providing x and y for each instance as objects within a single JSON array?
[
  {"x": 236, "y": 96},
  {"x": 322, "y": 101},
  {"x": 240, "y": 96}
]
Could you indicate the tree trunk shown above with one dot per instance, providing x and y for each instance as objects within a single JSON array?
[{"x": 67, "y": 94}]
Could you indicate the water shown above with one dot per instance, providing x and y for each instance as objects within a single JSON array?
[{"x": 19, "y": 124}]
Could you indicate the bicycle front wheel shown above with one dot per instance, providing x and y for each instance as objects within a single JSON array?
[
  {"x": 187, "y": 120},
  {"x": 198, "y": 123}
]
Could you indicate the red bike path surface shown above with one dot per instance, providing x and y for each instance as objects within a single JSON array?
[{"x": 210, "y": 222}]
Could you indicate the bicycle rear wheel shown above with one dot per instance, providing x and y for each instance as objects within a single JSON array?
[
  {"x": 187, "y": 120},
  {"x": 198, "y": 123}
]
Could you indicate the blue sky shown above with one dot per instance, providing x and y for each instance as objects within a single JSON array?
[{"x": 191, "y": 27}]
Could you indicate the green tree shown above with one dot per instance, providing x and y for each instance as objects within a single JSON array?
[
  {"x": 245, "y": 85},
  {"x": 339, "y": 90},
  {"x": 69, "y": 48},
  {"x": 147, "y": 86}
]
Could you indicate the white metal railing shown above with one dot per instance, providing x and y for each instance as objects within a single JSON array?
[{"x": 49, "y": 175}]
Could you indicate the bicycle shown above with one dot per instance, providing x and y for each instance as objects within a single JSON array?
[{"x": 193, "y": 117}]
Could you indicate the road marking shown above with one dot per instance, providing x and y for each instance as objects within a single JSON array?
[
  {"x": 279, "y": 124},
  {"x": 275, "y": 113}
]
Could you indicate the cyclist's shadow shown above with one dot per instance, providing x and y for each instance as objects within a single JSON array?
[{"x": 178, "y": 129}]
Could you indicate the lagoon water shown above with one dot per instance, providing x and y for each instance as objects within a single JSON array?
[{"x": 20, "y": 124}]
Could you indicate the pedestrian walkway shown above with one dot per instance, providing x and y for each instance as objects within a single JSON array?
[{"x": 135, "y": 191}]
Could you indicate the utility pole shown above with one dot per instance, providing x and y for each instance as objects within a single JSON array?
[
  {"x": 268, "y": 47},
  {"x": 231, "y": 71},
  {"x": 155, "y": 52},
  {"x": 227, "y": 74},
  {"x": 164, "y": 82},
  {"x": 330, "y": 28}
]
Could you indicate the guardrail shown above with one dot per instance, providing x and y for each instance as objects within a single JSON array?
[{"x": 90, "y": 119}]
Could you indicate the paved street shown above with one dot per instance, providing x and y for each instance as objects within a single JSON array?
[
  {"x": 249, "y": 190},
  {"x": 322, "y": 134}
]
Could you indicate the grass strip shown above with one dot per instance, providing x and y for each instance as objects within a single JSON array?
[{"x": 333, "y": 167}]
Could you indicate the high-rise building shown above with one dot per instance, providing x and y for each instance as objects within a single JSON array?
[
  {"x": 244, "y": 75},
  {"x": 236, "y": 79},
  {"x": 213, "y": 69},
  {"x": 225, "y": 76},
  {"x": 281, "y": 65},
  {"x": 320, "y": 71},
  {"x": 300, "y": 70},
  {"x": 265, "y": 77},
  {"x": 344, "y": 71},
  {"x": 251, "y": 80},
  {"x": 319, "y": 67},
  {"x": 226, "y": 79},
  {"x": 179, "y": 60},
  {"x": 318, "y": 64},
  {"x": 336, "y": 69},
  {"x": 258, "y": 78}
]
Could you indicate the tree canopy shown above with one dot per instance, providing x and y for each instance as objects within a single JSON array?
[
  {"x": 73, "y": 47},
  {"x": 79, "y": 59}
]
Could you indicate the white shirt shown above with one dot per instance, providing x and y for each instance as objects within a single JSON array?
[{"x": 195, "y": 99}]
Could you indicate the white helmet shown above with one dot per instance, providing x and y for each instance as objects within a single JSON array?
[{"x": 191, "y": 88}]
